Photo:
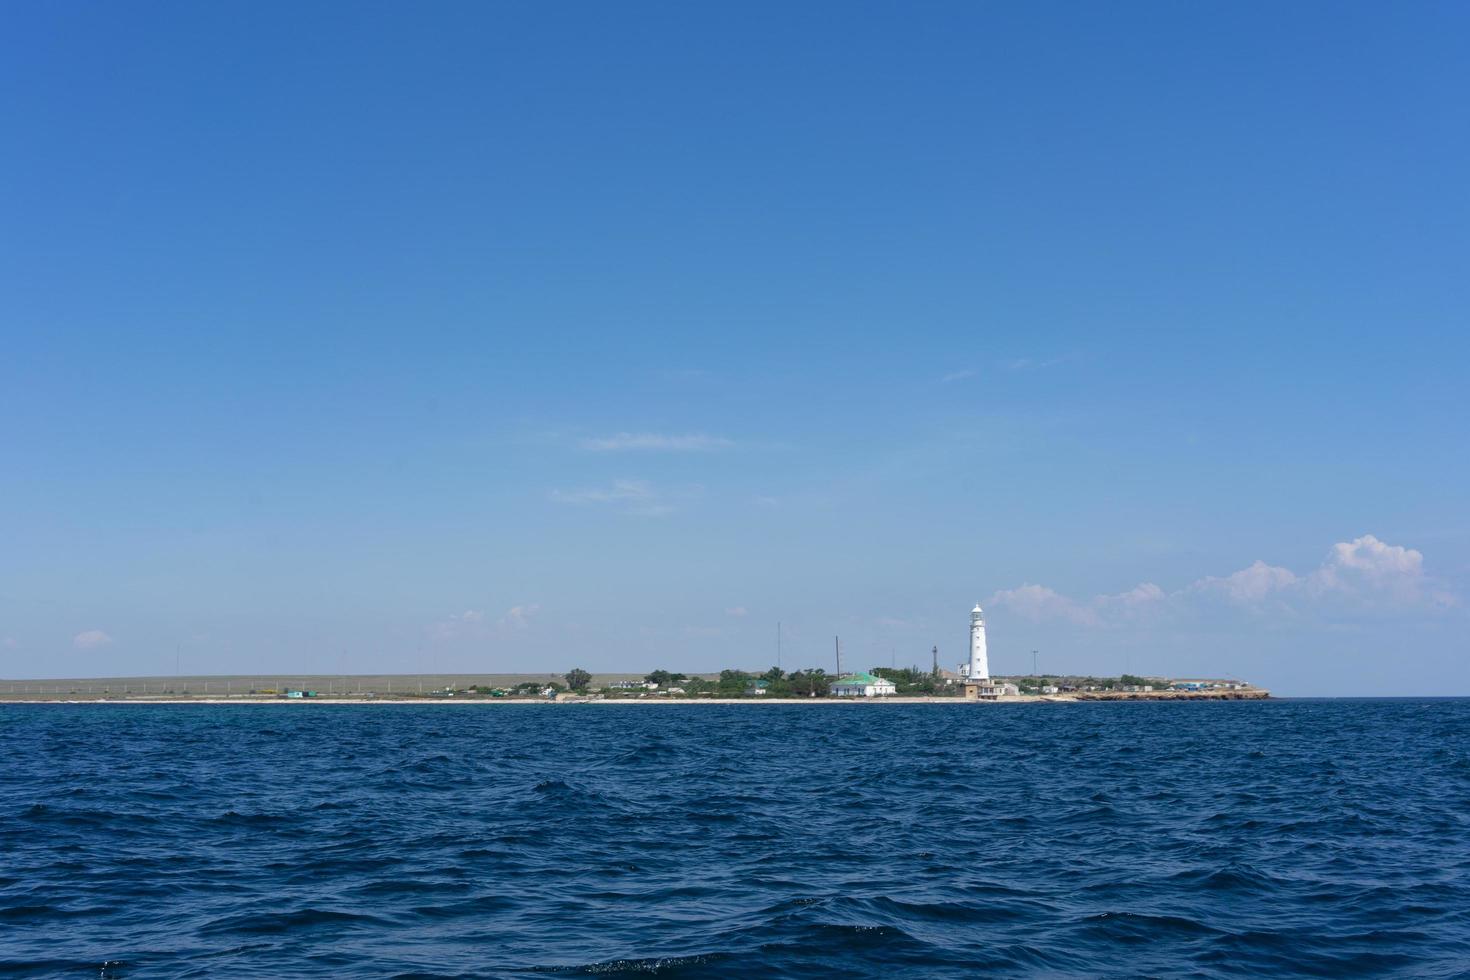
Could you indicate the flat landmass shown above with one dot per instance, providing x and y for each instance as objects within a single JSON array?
[{"x": 476, "y": 689}]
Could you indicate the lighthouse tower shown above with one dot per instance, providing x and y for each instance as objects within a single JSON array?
[{"x": 979, "y": 661}]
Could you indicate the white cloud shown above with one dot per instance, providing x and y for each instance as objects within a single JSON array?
[
  {"x": 90, "y": 639},
  {"x": 457, "y": 624},
  {"x": 1144, "y": 592},
  {"x": 621, "y": 491},
  {"x": 1038, "y": 363},
  {"x": 1358, "y": 575},
  {"x": 1143, "y": 600},
  {"x": 736, "y": 611},
  {"x": 473, "y": 623},
  {"x": 657, "y": 442},
  {"x": 632, "y": 496},
  {"x": 519, "y": 617},
  {"x": 1368, "y": 569},
  {"x": 1037, "y": 603},
  {"x": 954, "y": 376},
  {"x": 1250, "y": 584}
]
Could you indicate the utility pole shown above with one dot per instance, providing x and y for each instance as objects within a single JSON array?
[
  {"x": 1033, "y": 663},
  {"x": 936, "y": 662},
  {"x": 837, "y": 647},
  {"x": 778, "y": 644}
]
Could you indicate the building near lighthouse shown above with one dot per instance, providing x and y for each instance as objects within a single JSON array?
[
  {"x": 978, "y": 685},
  {"x": 862, "y": 685}
]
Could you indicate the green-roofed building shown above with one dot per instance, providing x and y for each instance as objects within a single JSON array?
[{"x": 862, "y": 685}]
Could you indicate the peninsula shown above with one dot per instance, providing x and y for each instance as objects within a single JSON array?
[{"x": 773, "y": 686}]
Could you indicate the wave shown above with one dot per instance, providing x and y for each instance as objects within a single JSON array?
[{"x": 927, "y": 841}]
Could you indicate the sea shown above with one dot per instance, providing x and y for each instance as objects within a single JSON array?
[{"x": 1324, "y": 838}]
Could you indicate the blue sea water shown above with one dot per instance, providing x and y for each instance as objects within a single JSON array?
[{"x": 1322, "y": 838}]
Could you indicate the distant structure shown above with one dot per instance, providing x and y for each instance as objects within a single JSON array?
[
  {"x": 977, "y": 676},
  {"x": 979, "y": 659},
  {"x": 862, "y": 685}
]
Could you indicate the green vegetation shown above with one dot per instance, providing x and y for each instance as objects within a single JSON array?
[
  {"x": 1033, "y": 685},
  {"x": 810, "y": 683},
  {"x": 913, "y": 681},
  {"x": 733, "y": 683},
  {"x": 578, "y": 679},
  {"x": 663, "y": 678}
]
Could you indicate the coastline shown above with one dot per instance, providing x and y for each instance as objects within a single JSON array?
[{"x": 1253, "y": 695}]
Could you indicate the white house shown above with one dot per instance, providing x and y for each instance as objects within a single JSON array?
[{"x": 862, "y": 685}]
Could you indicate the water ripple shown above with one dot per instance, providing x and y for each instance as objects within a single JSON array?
[{"x": 1212, "y": 840}]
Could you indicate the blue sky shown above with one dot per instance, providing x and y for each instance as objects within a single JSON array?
[{"x": 524, "y": 336}]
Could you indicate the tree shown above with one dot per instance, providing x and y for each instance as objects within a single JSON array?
[
  {"x": 578, "y": 679},
  {"x": 810, "y": 682},
  {"x": 773, "y": 676},
  {"x": 663, "y": 678},
  {"x": 733, "y": 681},
  {"x": 908, "y": 680}
]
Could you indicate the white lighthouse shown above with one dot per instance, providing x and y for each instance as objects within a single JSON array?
[{"x": 979, "y": 662}]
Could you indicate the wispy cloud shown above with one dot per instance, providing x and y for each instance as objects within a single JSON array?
[
  {"x": 621, "y": 491},
  {"x": 657, "y": 442},
  {"x": 519, "y": 617},
  {"x": 475, "y": 623},
  {"x": 90, "y": 640},
  {"x": 631, "y": 496},
  {"x": 456, "y": 624},
  {"x": 1038, "y": 602},
  {"x": 737, "y": 611},
  {"x": 1358, "y": 576},
  {"x": 1038, "y": 363},
  {"x": 954, "y": 376}
]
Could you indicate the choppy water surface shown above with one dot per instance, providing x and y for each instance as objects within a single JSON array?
[{"x": 1324, "y": 838}]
